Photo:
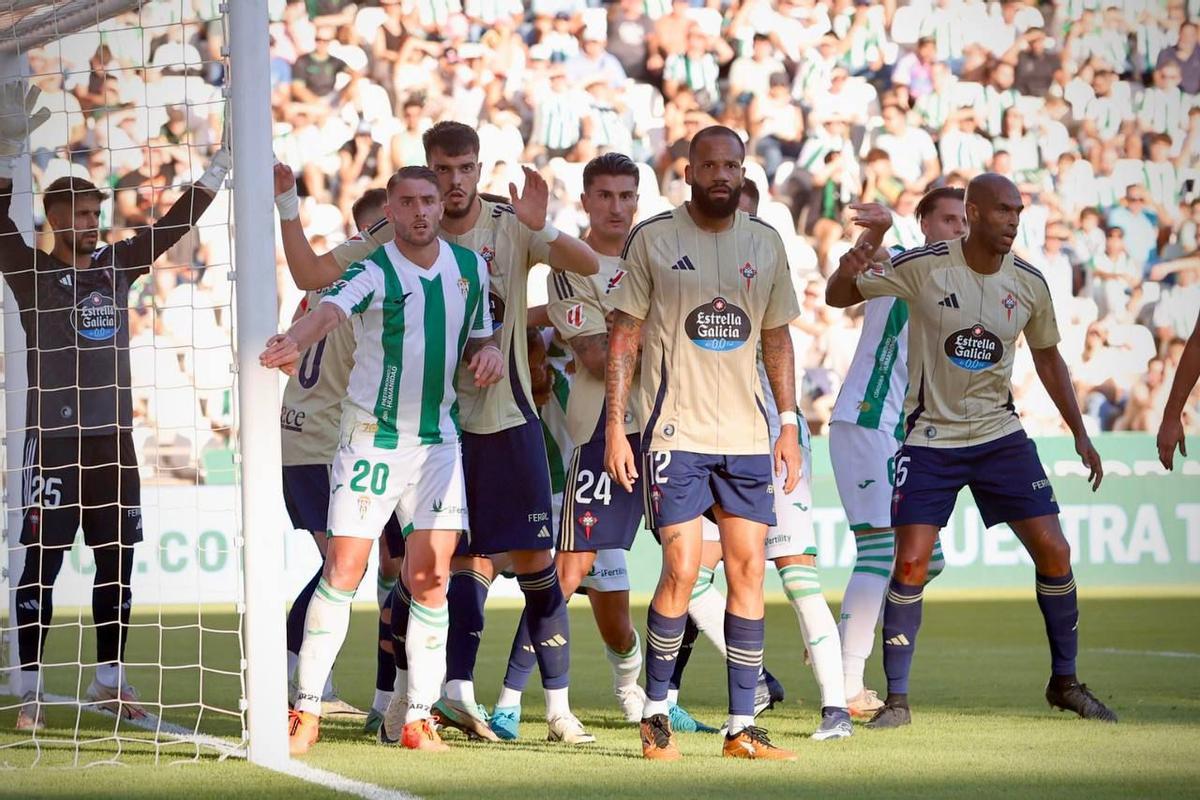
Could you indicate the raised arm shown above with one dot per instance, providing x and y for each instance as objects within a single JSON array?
[
  {"x": 1170, "y": 433},
  {"x": 309, "y": 270},
  {"x": 842, "y": 289},
  {"x": 623, "y": 344},
  {"x": 531, "y": 205},
  {"x": 16, "y": 123},
  {"x": 1053, "y": 373}
]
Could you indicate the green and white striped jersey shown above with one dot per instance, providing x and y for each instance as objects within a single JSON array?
[{"x": 411, "y": 327}]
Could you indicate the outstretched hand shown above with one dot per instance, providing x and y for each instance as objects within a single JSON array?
[
  {"x": 533, "y": 202},
  {"x": 285, "y": 179},
  {"x": 17, "y": 117}
]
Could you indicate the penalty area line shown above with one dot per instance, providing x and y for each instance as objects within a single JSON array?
[
  {"x": 1113, "y": 651},
  {"x": 340, "y": 783}
]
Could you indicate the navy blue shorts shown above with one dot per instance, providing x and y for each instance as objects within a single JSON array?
[
  {"x": 508, "y": 491},
  {"x": 598, "y": 514},
  {"x": 681, "y": 486},
  {"x": 306, "y": 496},
  {"x": 1005, "y": 476}
]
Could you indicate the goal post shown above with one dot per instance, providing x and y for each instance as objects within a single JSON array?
[{"x": 258, "y": 395}]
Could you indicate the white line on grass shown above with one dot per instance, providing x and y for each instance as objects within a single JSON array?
[
  {"x": 153, "y": 723},
  {"x": 340, "y": 783},
  {"x": 1160, "y": 653}
]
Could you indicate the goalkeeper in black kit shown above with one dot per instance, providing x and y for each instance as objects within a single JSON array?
[{"x": 79, "y": 462}]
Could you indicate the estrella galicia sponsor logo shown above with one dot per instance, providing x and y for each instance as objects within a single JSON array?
[
  {"x": 719, "y": 325},
  {"x": 96, "y": 318},
  {"x": 974, "y": 349}
]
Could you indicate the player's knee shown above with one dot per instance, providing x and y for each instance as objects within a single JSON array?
[
  {"x": 343, "y": 570},
  {"x": 750, "y": 572},
  {"x": 1054, "y": 556},
  {"x": 431, "y": 580},
  {"x": 677, "y": 581},
  {"x": 911, "y": 569}
]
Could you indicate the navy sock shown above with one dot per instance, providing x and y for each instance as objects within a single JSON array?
[
  {"x": 521, "y": 659},
  {"x": 901, "y": 620},
  {"x": 690, "y": 632},
  {"x": 298, "y": 611},
  {"x": 385, "y": 662},
  {"x": 1060, "y": 608},
  {"x": 35, "y": 602},
  {"x": 664, "y": 636},
  {"x": 465, "y": 597},
  {"x": 549, "y": 627},
  {"x": 401, "y": 602},
  {"x": 743, "y": 661}
]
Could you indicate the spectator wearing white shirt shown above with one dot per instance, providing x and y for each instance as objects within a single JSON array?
[
  {"x": 776, "y": 125},
  {"x": 1161, "y": 176},
  {"x": 750, "y": 75},
  {"x": 595, "y": 60},
  {"x": 1164, "y": 106},
  {"x": 1056, "y": 265},
  {"x": 813, "y": 75},
  {"x": 946, "y": 24},
  {"x": 961, "y": 147},
  {"x": 847, "y": 96},
  {"x": 998, "y": 96},
  {"x": 825, "y": 169},
  {"x": 1110, "y": 108},
  {"x": 1114, "y": 276},
  {"x": 698, "y": 68},
  {"x": 935, "y": 108},
  {"x": 558, "y": 119},
  {"x": 911, "y": 150},
  {"x": 1021, "y": 144}
]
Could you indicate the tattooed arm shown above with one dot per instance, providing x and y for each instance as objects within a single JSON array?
[
  {"x": 780, "y": 365},
  {"x": 623, "y": 343}
]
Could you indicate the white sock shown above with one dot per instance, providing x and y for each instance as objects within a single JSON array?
[
  {"x": 508, "y": 698},
  {"x": 110, "y": 675},
  {"x": 707, "y": 608},
  {"x": 31, "y": 681},
  {"x": 737, "y": 723},
  {"x": 653, "y": 707},
  {"x": 292, "y": 659},
  {"x": 382, "y": 698},
  {"x": 557, "y": 703},
  {"x": 626, "y": 667},
  {"x": 328, "y": 692},
  {"x": 325, "y": 628},
  {"x": 426, "y": 648},
  {"x": 383, "y": 587},
  {"x": 400, "y": 686},
  {"x": 462, "y": 691},
  {"x": 820, "y": 633},
  {"x": 673, "y": 697},
  {"x": 863, "y": 603}
]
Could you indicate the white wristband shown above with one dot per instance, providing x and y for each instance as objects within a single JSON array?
[
  {"x": 788, "y": 418},
  {"x": 548, "y": 233},
  {"x": 214, "y": 177},
  {"x": 288, "y": 204}
]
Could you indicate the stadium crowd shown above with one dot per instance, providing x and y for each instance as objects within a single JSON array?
[{"x": 1091, "y": 106}]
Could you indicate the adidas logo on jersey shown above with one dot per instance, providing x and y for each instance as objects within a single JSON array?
[
  {"x": 949, "y": 301},
  {"x": 898, "y": 641},
  {"x": 684, "y": 264},
  {"x": 544, "y": 533}
]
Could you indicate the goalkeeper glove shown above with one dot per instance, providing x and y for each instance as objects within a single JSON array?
[{"x": 17, "y": 121}]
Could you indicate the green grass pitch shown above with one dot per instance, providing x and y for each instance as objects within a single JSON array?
[{"x": 981, "y": 727}]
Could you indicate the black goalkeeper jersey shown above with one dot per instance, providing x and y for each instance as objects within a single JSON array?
[{"x": 76, "y": 321}]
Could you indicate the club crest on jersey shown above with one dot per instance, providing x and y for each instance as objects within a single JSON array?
[
  {"x": 96, "y": 318},
  {"x": 614, "y": 281},
  {"x": 464, "y": 286},
  {"x": 364, "y": 505},
  {"x": 489, "y": 255},
  {"x": 718, "y": 325},
  {"x": 575, "y": 316},
  {"x": 656, "y": 498},
  {"x": 748, "y": 272},
  {"x": 588, "y": 521},
  {"x": 974, "y": 349},
  {"x": 1009, "y": 303}
]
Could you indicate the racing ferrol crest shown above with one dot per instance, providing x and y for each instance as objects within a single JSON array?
[
  {"x": 748, "y": 272},
  {"x": 588, "y": 521},
  {"x": 1009, "y": 303},
  {"x": 489, "y": 255}
]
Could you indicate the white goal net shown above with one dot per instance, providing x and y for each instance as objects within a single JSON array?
[{"x": 137, "y": 97}]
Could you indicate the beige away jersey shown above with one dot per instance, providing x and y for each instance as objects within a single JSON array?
[
  {"x": 510, "y": 249},
  {"x": 963, "y": 330},
  {"x": 577, "y": 307},
  {"x": 705, "y": 299},
  {"x": 311, "y": 416}
]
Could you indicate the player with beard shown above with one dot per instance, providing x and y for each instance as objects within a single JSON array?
[
  {"x": 421, "y": 308},
  {"x": 510, "y": 506},
  {"x": 80, "y": 466},
  {"x": 968, "y": 300},
  {"x": 704, "y": 284}
]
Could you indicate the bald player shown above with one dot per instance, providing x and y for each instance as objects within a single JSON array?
[
  {"x": 969, "y": 300},
  {"x": 704, "y": 284}
]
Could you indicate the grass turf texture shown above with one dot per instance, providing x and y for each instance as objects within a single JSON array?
[{"x": 980, "y": 726}]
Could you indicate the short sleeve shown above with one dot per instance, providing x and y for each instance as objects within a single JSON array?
[
  {"x": 363, "y": 243},
  {"x": 573, "y": 307},
  {"x": 481, "y": 325},
  {"x": 782, "y": 305},
  {"x": 1041, "y": 331},
  {"x": 900, "y": 277},
  {"x": 356, "y": 291},
  {"x": 632, "y": 294}
]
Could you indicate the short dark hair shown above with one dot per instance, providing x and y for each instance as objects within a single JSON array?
[
  {"x": 68, "y": 190},
  {"x": 452, "y": 138},
  {"x": 410, "y": 173},
  {"x": 750, "y": 189},
  {"x": 615, "y": 164},
  {"x": 712, "y": 132},
  {"x": 371, "y": 200},
  {"x": 931, "y": 199}
]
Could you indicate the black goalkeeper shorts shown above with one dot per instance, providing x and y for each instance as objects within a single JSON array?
[{"x": 91, "y": 480}]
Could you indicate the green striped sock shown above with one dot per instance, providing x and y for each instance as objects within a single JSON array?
[
  {"x": 704, "y": 581},
  {"x": 937, "y": 561},
  {"x": 800, "y": 581},
  {"x": 876, "y": 551},
  {"x": 339, "y": 597}
]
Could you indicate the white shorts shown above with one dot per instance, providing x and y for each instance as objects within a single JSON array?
[
  {"x": 862, "y": 466},
  {"x": 422, "y": 484},
  {"x": 793, "y": 533},
  {"x": 609, "y": 573}
]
